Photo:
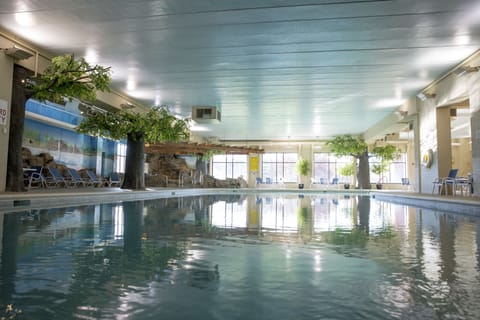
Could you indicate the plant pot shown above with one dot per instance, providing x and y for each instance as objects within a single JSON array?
[
  {"x": 379, "y": 186},
  {"x": 301, "y": 185},
  {"x": 346, "y": 185}
]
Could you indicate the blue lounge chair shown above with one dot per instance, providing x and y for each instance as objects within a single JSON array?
[
  {"x": 94, "y": 180},
  {"x": 442, "y": 183},
  {"x": 75, "y": 179},
  {"x": 55, "y": 178},
  {"x": 114, "y": 180}
]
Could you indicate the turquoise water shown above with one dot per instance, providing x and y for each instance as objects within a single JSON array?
[{"x": 241, "y": 257}]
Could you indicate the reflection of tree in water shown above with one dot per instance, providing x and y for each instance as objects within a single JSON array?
[
  {"x": 113, "y": 269},
  {"x": 359, "y": 235}
]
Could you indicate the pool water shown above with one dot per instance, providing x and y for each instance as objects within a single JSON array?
[{"x": 252, "y": 256}]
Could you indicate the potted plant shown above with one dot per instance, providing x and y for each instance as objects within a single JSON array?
[
  {"x": 379, "y": 169},
  {"x": 387, "y": 154},
  {"x": 303, "y": 169},
  {"x": 348, "y": 171}
]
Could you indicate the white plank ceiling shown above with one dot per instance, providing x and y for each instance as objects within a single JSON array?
[{"x": 277, "y": 69}]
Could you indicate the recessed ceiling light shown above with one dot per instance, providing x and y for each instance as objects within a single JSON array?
[
  {"x": 91, "y": 56},
  {"x": 24, "y": 19},
  {"x": 131, "y": 85},
  {"x": 389, "y": 103}
]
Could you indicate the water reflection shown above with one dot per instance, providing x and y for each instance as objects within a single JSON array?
[{"x": 97, "y": 261}]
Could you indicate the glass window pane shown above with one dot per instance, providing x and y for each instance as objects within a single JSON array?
[
  {"x": 320, "y": 171},
  {"x": 219, "y": 170},
  {"x": 229, "y": 170},
  {"x": 290, "y": 172},
  {"x": 290, "y": 157},
  {"x": 320, "y": 157},
  {"x": 268, "y": 170},
  {"x": 269, "y": 157},
  {"x": 239, "y": 169},
  {"x": 239, "y": 158},
  {"x": 218, "y": 158},
  {"x": 397, "y": 172}
]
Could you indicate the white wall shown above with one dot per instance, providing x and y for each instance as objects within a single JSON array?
[
  {"x": 6, "y": 70},
  {"x": 450, "y": 90}
]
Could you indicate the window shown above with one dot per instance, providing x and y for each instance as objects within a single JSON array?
[
  {"x": 229, "y": 166},
  {"x": 120, "y": 157},
  {"x": 397, "y": 170},
  {"x": 279, "y": 167},
  {"x": 326, "y": 166}
]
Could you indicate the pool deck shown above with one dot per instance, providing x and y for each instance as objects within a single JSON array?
[{"x": 42, "y": 198}]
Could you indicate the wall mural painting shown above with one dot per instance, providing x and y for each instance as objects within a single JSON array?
[{"x": 67, "y": 147}]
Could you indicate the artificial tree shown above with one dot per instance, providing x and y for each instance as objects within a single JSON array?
[
  {"x": 348, "y": 145},
  {"x": 356, "y": 147},
  {"x": 66, "y": 77},
  {"x": 156, "y": 125}
]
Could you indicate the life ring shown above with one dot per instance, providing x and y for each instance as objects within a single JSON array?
[{"x": 427, "y": 158}]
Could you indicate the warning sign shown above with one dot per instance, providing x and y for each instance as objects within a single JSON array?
[{"x": 3, "y": 112}]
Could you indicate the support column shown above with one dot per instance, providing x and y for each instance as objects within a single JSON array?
[
  {"x": 305, "y": 151},
  {"x": 475, "y": 129},
  {"x": 444, "y": 142},
  {"x": 6, "y": 70}
]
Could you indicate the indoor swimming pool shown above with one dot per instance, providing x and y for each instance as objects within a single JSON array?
[{"x": 240, "y": 256}]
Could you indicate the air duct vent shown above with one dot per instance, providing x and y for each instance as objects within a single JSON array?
[
  {"x": 17, "y": 53},
  {"x": 205, "y": 114}
]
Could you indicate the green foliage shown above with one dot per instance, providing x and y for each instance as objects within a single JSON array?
[
  {"x": 348, "y": 170},
  {"x": 347, "y": 145},
  {"x": 303, "y": 167},
  {"x": 157, "y": 125},
  {"x": 387, "y": 152},
  {"x": 71, "y": 78},
  {"x": 207, "y": 155},
  {"x": 304, "y": 216},
  {"x": 353, "y": 237},
  {"x": 380, "y": 168}
]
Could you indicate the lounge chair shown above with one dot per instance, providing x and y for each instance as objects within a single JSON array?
[
  {"x": 93, "y": 179},
  {"x": 442, "y": 183},
  {"x": 34, "y": 178},
  {"x": 75, "y": 179},
  {"x": 114, "y": 180},
  {"x": 55, "y": 178}
]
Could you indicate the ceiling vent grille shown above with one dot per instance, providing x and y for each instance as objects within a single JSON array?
[{"x": 203, "y": 114}]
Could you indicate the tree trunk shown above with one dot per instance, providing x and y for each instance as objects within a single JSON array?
[
  {"x": 20, "y": 96},
  {"x": 363, "y": 209},
  {"x": 363, "y": 176},
  {"x": 134, "y": 163}
]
